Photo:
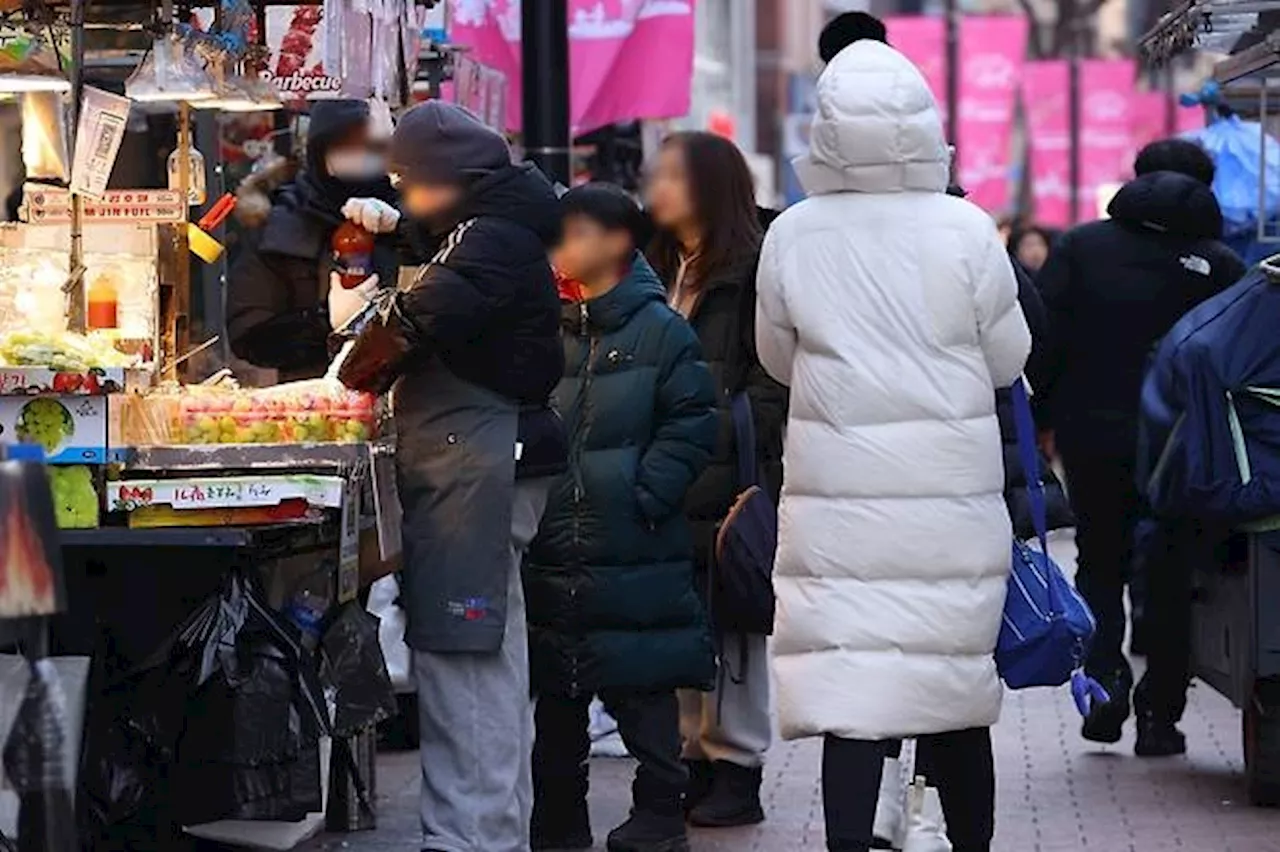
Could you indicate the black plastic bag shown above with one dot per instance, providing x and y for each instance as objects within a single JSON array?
[
  {"x": 225, "y": 718},
  {"x": 357, "y": 670},
  {"x": 36, "y": 764}
]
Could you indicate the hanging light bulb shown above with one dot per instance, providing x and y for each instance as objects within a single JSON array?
[
  {"x": 169, "y": 73},
  {"x": 235, "y": 91}
]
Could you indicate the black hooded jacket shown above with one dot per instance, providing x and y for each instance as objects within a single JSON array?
[
  {"x": 277, "y": 293},
  {"x": 487, "y": 305},
  {"x": 1113, "y": 290}
]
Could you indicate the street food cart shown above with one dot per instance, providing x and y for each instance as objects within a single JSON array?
[
  {"x": 171, "y": 492},
  {"x": 1236, "y": 612}
]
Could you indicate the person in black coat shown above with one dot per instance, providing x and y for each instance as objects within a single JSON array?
[
  {"x": 472, "y": 345},
  {"x": 609, "y": 579},
  {"x": 1113, "y": 289},
  {"x": 277, "y": 315},
  {"x": 709, "y": 232}
]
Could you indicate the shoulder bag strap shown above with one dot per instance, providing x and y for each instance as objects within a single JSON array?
[{"x": 744, "y": 434}]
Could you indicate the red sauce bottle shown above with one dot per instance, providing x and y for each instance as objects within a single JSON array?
[{"x": 352, "y": 254}]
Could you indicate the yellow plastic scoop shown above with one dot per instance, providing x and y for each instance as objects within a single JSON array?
[{"x": 201, "y": 244}]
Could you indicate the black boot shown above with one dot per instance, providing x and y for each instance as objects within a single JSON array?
[
  {"x": 651, "y": 831},
  {"x": 700, "y": 775},
  {"x": 1105, "y": 723},
  {"x": 1158, "y": 738},
  {"x": 734, "y": 798}
]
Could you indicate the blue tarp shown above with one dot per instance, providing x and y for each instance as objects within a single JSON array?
[
  {"x": 1235, "y": 146},
  {"x": 1210, "y": 431}
]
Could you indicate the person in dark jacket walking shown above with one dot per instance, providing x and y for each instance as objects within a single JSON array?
[
  {"x": 473, "y": 346},
  {"x": 276, "y": 293},
  {"x": 609, "y": 578},
  {"x": 1114, "y": 288},
  {"x": 702, "y": 201}
]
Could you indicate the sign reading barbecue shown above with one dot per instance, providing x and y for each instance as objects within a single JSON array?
[{"x": 296, "y": 67}]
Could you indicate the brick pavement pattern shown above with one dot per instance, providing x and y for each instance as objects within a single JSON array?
[{"x": 1056, "y": 792}]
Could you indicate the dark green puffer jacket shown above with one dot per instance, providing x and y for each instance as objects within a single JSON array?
[{"x": 609, "y": 578}]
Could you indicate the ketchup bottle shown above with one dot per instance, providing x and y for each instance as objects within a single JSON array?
[
  {"x": 352, "y": 254},
  {"x": 103, "y": 301}
]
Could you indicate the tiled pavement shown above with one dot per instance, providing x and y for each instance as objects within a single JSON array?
[{"x": 1056, "y": 794}]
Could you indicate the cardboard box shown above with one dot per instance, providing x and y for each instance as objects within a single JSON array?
[{"x": 73, "y": 429}]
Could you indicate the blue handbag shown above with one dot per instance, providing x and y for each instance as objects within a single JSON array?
[{"x": 1047, "y": 627}]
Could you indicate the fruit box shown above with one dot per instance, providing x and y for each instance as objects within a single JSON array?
[{"x": 73, "y": 429}]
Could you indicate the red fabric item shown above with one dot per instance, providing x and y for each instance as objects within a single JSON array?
[{"x": 569, "y": 290}]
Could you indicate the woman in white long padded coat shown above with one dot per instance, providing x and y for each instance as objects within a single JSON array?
[{"x": 890, "y": 309}]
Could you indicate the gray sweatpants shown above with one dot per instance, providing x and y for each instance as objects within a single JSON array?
[
  {"x": 733, "y": 723},
  {"x": 476, "y": 723}
]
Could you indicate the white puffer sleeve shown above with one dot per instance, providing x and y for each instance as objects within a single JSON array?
[
  {"x": 1002, "y": 329},
  {"x": 775, "y": 335}
]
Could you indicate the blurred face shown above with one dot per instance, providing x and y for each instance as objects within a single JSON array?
[
  {"x": 1033, "y": 251},
  {"x": 588, "y": 253},
  {"x": 429, "y": 200},
  {"x": 356, "y": 157},
  {"x": 668, "y": 197}
]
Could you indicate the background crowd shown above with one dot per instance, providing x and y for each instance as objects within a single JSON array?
[{"x": 646, "y": 379}]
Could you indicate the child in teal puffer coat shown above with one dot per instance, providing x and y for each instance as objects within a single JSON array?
[{"x": 612, "y": 608}]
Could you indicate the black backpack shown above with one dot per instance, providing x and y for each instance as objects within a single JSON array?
[{"x": 741, "y": 596}]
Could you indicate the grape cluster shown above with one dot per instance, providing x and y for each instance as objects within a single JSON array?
[
  {"x": 46, "y": 422},
  {"x": 75, "y": 501}
]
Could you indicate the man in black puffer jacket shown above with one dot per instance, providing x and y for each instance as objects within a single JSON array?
[
  {"x": 612, "y": 606},
  {"x": 477, "y": 355},
  {"x": 1113, "y": 289}
]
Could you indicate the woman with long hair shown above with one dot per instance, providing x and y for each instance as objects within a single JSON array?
[{"x": 702, "y": 199}]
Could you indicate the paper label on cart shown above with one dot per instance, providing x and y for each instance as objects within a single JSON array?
[
  {"x": 225, "y": 492},
  {"x": 100, "y": 131},
  {"x": 349, "y": 546},
  {"x": 141, "y": 206},
  {"x": 386, "y": 506}
]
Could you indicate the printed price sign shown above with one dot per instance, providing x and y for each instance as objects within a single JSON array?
[
  {"x": 140, "y": 206},
  {"x": 225, "y": 492}
]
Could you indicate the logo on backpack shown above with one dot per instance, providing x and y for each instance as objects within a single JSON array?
[{"x": 1195, "y": 263}]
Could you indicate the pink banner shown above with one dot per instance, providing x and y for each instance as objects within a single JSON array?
[
  {"x": 1189, "y": 118},
  {"x": 992, "y": 55},
  {"x": 1148, "y": 119},
  {"x": 1106, "y": 108},
  {"x": 923, "y": 40},
  {"x": 1045, "y": 100},
  {"x": 628, "y": 59}
]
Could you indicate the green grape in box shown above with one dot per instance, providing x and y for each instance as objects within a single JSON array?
[{"x": 75, "y": 500}]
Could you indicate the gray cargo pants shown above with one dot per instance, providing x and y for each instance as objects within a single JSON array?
[{"x": 476, "y": 722}]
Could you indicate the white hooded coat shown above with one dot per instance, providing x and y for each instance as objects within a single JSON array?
[{"x": 890, "y": 309}]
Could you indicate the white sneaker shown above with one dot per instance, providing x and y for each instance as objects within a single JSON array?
[
  {"x": 926, "y": 829},
  {"x": 890, "y": 815}
]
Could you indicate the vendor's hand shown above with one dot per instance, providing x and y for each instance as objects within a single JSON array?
[
  {"x": 373, "y": 214},
  {"x": 344, "y": 303}
]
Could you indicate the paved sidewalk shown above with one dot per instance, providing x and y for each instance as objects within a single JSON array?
[{"x": 1056, "y": 793}]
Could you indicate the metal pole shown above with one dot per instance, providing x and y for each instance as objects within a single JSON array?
[
  {"x": 545, "y": 103},
  {"x": 1074, "y": 98},
  {"x": 953, "y": 81},
  {"x": 73, "y": 289}
]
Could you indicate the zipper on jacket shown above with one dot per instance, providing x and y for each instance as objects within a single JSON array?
[{"x": 578, "y": 449}]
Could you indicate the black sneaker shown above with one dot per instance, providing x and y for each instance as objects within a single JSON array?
[
  {"x": 1105, "y": 722},
  {"x": 646, "y": 831},
  {"x": 700, "y": 774},
  {"x": 734, "y": 799},
  {"x": 1158, "y": 738}
]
